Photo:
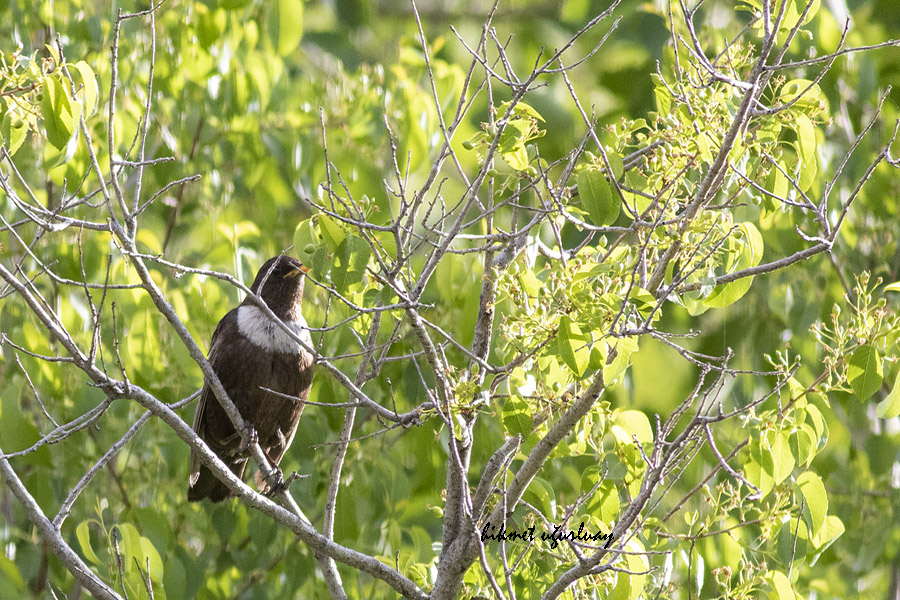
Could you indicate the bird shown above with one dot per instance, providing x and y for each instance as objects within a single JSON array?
[{"x": 249, "y": 352}]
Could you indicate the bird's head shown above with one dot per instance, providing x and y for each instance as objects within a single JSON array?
[{"x": 279, "y": 283}]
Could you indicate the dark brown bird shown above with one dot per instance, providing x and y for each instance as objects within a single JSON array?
[{"x": 249, "y": 351}]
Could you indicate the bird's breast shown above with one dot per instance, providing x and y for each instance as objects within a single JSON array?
[{"x": 262, "y": 331}]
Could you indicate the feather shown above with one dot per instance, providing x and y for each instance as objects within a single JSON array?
[{"x": 248, "y": 352}]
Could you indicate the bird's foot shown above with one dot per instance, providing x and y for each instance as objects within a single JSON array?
[
  {"x": 274, "y": 482},
  {"x": 277, "y": 484},
  {"x": 249, "y": 439}
]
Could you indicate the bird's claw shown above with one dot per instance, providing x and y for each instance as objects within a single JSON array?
[
  {"x": 274, "y": 482},
  {"x": 277, "y": 484},
  {"x": 249, "y": 439}
]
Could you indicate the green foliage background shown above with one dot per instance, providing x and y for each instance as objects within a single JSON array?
[{"x": 242, "y": 91}]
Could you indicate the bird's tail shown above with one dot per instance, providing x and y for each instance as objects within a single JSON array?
[{"x": 208, "y": 486}]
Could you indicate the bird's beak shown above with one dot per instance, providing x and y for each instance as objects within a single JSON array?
[{"x": 297, "y": 271}]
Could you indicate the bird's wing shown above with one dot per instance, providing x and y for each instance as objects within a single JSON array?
[
  {"x": 206, "y": 396},
  {"x": 279, "y": 420}
]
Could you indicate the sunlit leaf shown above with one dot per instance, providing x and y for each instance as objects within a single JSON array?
[
  {"x": 813, "y": 491},
  {"x": 521, "y": 110},
  {"x": 285, "y": 23},
  {"x": 350, "y": 262},
  {"x": 782, "y": 458},
  {"x": 864, "y": 371},
  {"x": 60, "y": 113},
  {"x": 306, "y": 241},
  {"x": 792, "y": 540},
  {"x": 803, "y": 444},
  {"x": 830, "y": 531},
  {"x": 11, "y": 583},
  {"x": 623, "y": 348},
  {"x": 631, "y": 580},
  {"x": 750, "y": 248},
  {"x": 636, "y": 423},
  {"x": 512, "y": 143},
  {"x": 13, "y": 130},
  {"x": 597, "y": 196},
  {"x": 890, "y": 406},
  {"x": 806, "y": 138},
  {"x": 541, "y": 495},
  {"x": 605, "y": 503},
  {"x": 89, "y": 92},
  {"x": 781, "y": 585},
  {"x": 616, "y": 164},
  {"x": 571, "y": 345},
  {"x": 812, "y": 101},
  {"x": 516, "y": 418},
  {"x": 331, "y": 231},
  {"x": 83, "y": 533}
]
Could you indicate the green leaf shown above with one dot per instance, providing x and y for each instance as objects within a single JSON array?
[
  {"x": 890, "y": 406},
  {"x": 813, "y": 491},
  {"x": 517, "y": 157},
  {"x": 151, "y": 557},
  {"x": 830, "y": 531},
  {"x": 541, "y": 495},
  {"x": 331, "y": 232},
  {"x": 630, "y": 583},
  {"x": 89, "y": 92},
  {"x": 514, "y": 134},
  {"x": 703, "y": 148},
  {"x": 805, "y": 169},
  {"x": 758, "y": 476},
  {"x": 235, "y": 232},
  {"x": 572, "y": 348},
  {"x": 803, "y": 444},
  {"x": 83, "y": 533},
  {"x": 864, "y": 371},
  {"x": 792, "y": 540},
  {"x": 801, "y": 7},
  {"x": 521, "y": 110},
  {"x": 285, "y": 24},
  {"x": 616, "y": 164},
  {"x": 516, "y": 418},
  {"x": 623, "y": 350},
  {"x": 635, "y": 423},
  {"x": 597, "y": 197},
  {"x": 605, "y": 503},
  {"x": 806, "y": 138},
  {"x": 777, "y": 182},
  {"x": 813, "y": 100},
  {"x": 512, "y": 143},
  {"x": 806, "y": 174},
  {"x": 306, "y": 241},
  {"x": 781, "y": 585},
  {"x": 750, "y": 249},
  {"x": 351, "y": 259},
  {"x": 663, "y": 98},
  {"x": 13, "y": 129},
  {"x": 59, "y": 112},
  {"x": 779, "y": 449},
  {"x": 11, "y": 583},
  {"x": 892, "y": 287},
  {"x": 818, "y": 422}
]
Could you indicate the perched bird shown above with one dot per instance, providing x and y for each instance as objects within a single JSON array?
[{"x": 249, "y": 351}]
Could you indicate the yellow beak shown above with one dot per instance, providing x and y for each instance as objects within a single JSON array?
[{"x": 297, "y": 271}]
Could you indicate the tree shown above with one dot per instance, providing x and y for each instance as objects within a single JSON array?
[{"x": 567, "y": 345}]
